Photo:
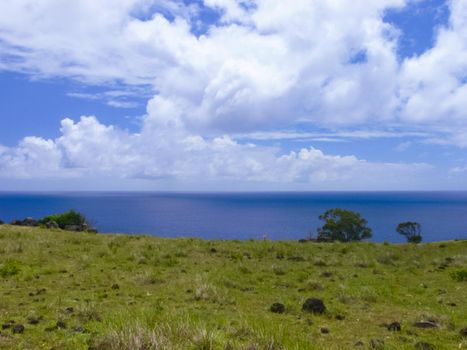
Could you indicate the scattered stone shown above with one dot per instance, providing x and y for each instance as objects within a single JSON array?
[
  {"x": 359, "y": 343},
  {"x": 394, "y": 327},
  {"x": 296, "y": 258},
  {"x": 340, "y": 317},
  {"x": 7, "y": 325},
  {"x": 452, "y": 304},
  {"x": 314, "y": 305},
  {"x": 377, "y": 344},
  {"x": 70, "y": 310},
  {"x": 17, "y": 329},
  {"x": 115, "y": 286},
  {"x": 425, "y": 324},
  {"x": 463, "y": 332},
  {"x": 324, "y": 330},
  {"x": 213, "y": 250},
  {"x": 326, "y": 274},
  {"x": 76, "y": 228},
  {"x": 34, "y": 320},
  {"x": 279, "y": 256},
  {"x": 277, "y": 308},
  {"x": 442, "y": 245},
  {"x": 52, "y": 224},
  {"x": 29, "y": 222},
  {"x": 79, "y": 329},
  {"x": 421, "y": 345},
  {"x": 60, "y": 324},
  {"x": 41, "y": 291}
]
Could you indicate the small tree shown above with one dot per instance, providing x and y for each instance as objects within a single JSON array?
[
  {"x": 411, "y": 230},
  {"x": 343, "y": 225}
]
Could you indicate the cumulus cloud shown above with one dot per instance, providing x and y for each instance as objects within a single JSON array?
[
  {"x": 258, "y": 66},
  {"x": 90, "y": 148}
]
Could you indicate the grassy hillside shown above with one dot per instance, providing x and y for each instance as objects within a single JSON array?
[{"x": 95, "y": 291}]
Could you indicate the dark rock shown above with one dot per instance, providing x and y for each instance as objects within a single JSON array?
[
  {"x": 326, "y": 274},
  {"x": 394, "y": 327},
  {"x": 213, "y": 250},
  {"x": 52, "y": 224},
  {"x": 324, "y": 330},
  {"x": 76, "y": 228},
  {"x": 17, "y": 329},
  {"x": 29, "y": 222},
  {"x": 1, "y": 222},
  {"x": 377, "y": 344},
  {"x": 16, "y": 223},
  {"x": 340, "y": 317},
  {"x": 115, "y": 286},
  {"x": 426, "y": 324},
  {"x": 41, "y": 291},
  {"x": 34, "y": 320},
  {"x": 7, "y": 325},
  {"x": 463, "y": 332},
  {"x": 296, "y": 258},
  {"x": 60, "y": 324},
  {"x": 69, "y": 310},
  {"x": 359, "y": 343},
  {"x": 421, "y": 345},
  {"x": 92, "y": 230},
  {"x": 314, "y": 305},
  {"x": 277, "y": 308},
  {"x": 79, "y": 329}
]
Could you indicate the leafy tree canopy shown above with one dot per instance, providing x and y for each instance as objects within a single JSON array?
[
  {"x": 411, "y": 230},
  {"x": 343, "y": 225}
]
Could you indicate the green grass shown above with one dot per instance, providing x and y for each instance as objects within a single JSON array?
[{"x": 137, "y": 292}]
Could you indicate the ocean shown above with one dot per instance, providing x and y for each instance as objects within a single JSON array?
[{"x": 443, "y": 215}]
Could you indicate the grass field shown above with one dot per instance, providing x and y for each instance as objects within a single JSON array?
[{"x": 101, "y": 291}]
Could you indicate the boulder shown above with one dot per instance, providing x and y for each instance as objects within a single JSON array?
[
  {"x": 277, "y": 308},
  {"x": 52, "y": 224},
  {"x": 425, "y": 324},
  {"x": 29, "y": 222},
  {"x": 313, "y": 305},
  {"x": 394, "y": 327},
  {"x": 17, "y": 329}
]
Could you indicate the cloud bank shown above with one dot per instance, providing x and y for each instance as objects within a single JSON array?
[{"x": 252, "y": 68}]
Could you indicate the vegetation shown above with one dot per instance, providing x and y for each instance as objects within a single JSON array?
[
  {"x": 66, "y": 220},
  {"x": 343, "y": 225},
  {"x": 88, "y": 291},
  {"x": 411, "y": 230}
]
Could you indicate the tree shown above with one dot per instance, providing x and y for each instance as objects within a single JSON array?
[
  {"x": 411, "y": 230},
  {"x": 343, "y": 225}
]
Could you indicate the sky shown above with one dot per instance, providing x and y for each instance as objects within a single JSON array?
[{"x": 233, "y": 95}]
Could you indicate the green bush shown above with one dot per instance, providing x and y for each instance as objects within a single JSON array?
[
  {"x": 9, "y": 268},
  {"x": 69, "y": 218},
  {"x": 460, "y": 275}
]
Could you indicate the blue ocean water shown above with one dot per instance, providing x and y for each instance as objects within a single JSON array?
[{"x": 443, "y": 215}]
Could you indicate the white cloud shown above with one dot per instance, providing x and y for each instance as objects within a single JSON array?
[
  {"x": 89, "y": 148},
  {"x": 267, "y": 65}
]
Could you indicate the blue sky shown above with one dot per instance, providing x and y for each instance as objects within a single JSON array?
[{"x": 233, "y": 95}]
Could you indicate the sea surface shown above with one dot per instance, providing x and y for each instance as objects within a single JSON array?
[{"x": 443, "y": 215}]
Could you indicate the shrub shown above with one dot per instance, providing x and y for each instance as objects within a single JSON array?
[
  {"x": 411, "y": 230},
  {"x": 67, "y": 219},
  {"x": 460, "y": 275},
  {"x": 343, "y": 225},
  {"x": 9, "y": 268}
]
